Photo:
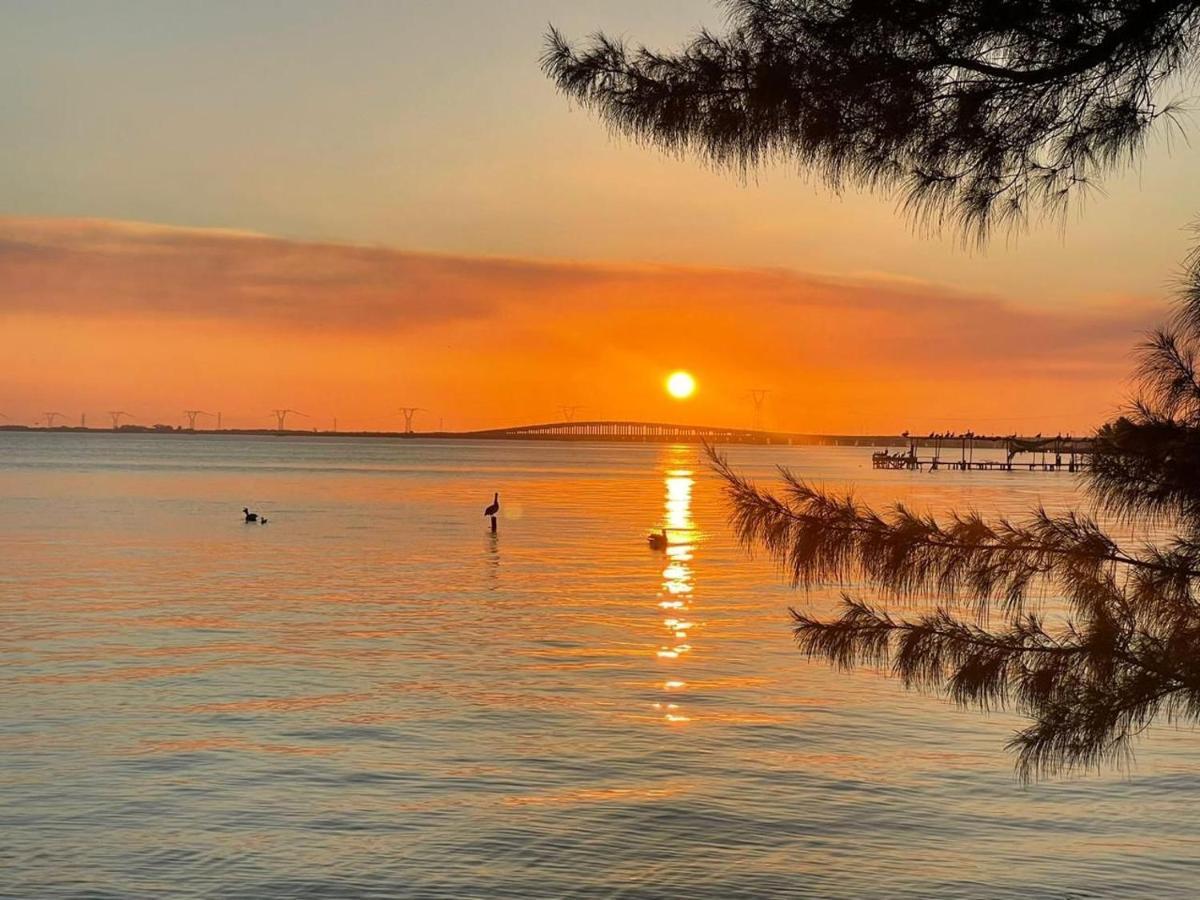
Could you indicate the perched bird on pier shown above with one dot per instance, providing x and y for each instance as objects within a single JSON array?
[
  {"x": 658, "y": 539},
  {"x": 495, "y": 507},
  {"x": 250, "y": 517}
]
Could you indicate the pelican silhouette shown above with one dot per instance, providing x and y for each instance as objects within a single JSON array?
[
  {"x": 495, "y": 507},
  {"x": 250, "y": 517},
  {"x": 658, "y": 539}
]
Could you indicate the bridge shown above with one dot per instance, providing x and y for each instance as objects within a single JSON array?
[
  {"x": 642, "y": 432},
  {"x": 964, "y": 445}
]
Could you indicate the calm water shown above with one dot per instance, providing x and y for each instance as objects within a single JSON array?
[{"x": 371, "y": 696}]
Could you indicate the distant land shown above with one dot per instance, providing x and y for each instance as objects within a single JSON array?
[{"x": 619, "y": 432}]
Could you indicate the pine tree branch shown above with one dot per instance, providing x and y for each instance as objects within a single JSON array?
[
  {"x": 1087, "y": 691},
  {"x": 974, "y": 112},
  {"x": 817, "y": 537}
]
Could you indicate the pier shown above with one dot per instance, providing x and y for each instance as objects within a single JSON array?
[{"x": 1036, "y": 454}]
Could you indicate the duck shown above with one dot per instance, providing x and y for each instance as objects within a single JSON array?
[
  {"x": 658, "y": 539},
  {"x": 495, "y": 507},
  {"x": 250, "y": 517},
  {"x": 262, "y": 521}
]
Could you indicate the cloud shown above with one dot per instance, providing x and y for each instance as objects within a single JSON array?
[
  {"x": 107, "y": 268},
  {"x": 114, "y": 268}
]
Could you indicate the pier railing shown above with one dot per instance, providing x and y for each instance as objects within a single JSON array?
[{"x": 1035, "y": 454}]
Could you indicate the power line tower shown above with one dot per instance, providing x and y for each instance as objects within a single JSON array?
[
  {"x": 83, "y": 420},
  {"x": 282, "y": 414},
  {"x": 409, "y": 412},
  {"x": 758, "y": 396},
  {"x": 218, "y": 421},
  {"x": 116, "y": 417},
  {"x": 568, "y": 412},
  {"x": 191, "y": 417},
  {"x": 50, "y": 417}
]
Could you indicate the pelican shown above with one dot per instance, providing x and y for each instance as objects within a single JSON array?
[
  {"x": 250, "y": 517},
  {"x": 658, "y": 539},
  {"x": 495, "y": 507}
]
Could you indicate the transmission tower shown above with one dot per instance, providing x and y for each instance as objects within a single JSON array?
[
  {"x": 50, "y": 417},
  {"x": 116, "y": 417},
  {"x": 409, "y": 412},
  {"x": 218, "y": 421},
  {"x": 83, "y": 420},
  {"x": 568, "y": 412},
  {"x": 758, "y": 396},
  {"x": 282, "y": 414},
  {"x": 191, "y": 417}
]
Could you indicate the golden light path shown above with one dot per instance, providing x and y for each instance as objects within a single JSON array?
[{"x": 675, "y": 597}]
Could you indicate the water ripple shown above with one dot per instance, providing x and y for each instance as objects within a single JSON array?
[{"x": 374, "y": 697}]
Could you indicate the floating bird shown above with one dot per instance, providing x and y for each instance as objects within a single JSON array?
[
  {"x": 250, "y": 517},
  {"x": 262, "y": 521},
  {"x": 495, "y": 507},
  {"x": 658, "y": 539}
]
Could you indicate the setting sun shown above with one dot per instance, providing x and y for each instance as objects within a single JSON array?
[{"x": 681, "y": 385}]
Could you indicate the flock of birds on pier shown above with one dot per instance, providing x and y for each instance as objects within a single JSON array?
[{"x": 970, "y": 436}]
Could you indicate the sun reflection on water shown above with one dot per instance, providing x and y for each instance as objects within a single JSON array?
[{"x": 678, "y": 586}]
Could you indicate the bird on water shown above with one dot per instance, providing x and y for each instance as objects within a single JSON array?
[
  {"x": 250, "y": 517},
  {"x": 495, "y": 507},
  {"x": 658, "y": 539}
]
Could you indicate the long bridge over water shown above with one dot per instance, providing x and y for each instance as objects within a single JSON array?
[
  {"x": 645, "y": 432},
  {"x": 663, "y": 432}
]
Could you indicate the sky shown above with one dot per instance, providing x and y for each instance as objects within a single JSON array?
[{"x": 347, "y": 208}]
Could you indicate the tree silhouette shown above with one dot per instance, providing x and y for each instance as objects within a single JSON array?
[
  {"x": 976, "y": 112},
  {"x": 1126, "y": 648}
]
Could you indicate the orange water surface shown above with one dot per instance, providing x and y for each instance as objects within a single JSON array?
[{"x": 372, "y": 695}]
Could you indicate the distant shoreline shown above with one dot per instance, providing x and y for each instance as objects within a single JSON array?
[{"x": 780, "y": 439}]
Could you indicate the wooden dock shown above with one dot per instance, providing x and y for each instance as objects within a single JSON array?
[{"x": 956, "y": 452}]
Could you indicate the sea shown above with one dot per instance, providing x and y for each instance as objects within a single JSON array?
[{"x": 374, "y": 695}]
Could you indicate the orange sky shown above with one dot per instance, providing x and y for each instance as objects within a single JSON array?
[
  {"x": 101, "y": 315},
  {"x": 420, "y": 218}
]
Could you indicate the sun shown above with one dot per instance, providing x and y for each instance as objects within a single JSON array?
[{"x": 681, "y": 385}]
